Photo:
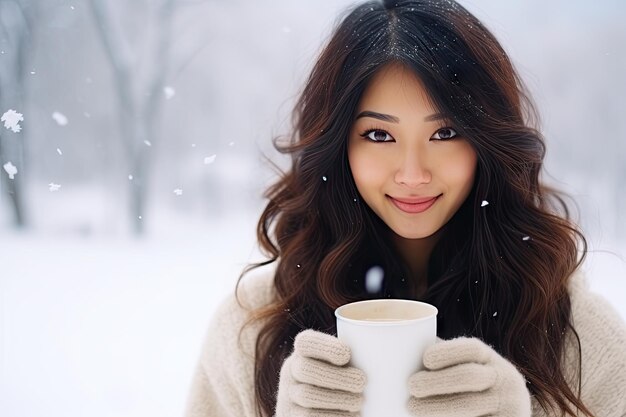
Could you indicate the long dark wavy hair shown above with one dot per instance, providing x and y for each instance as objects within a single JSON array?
[{"x": 513, "y": 257}]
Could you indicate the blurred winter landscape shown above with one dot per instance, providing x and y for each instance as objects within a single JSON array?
[{"x": 130, "y": 192}]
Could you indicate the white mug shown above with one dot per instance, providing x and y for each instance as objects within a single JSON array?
[{"x": 387, "y": 339}]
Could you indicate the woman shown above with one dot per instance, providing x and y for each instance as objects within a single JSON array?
[{"x": 414, "y": 150}]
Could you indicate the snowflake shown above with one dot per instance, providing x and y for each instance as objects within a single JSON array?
[
  {"x": 178, "y": 191},
  {"x": 209, "y": 159},
  {"x": 10, "y": 169},
  {"x": 484, "y": 203},
  {"x": 54, "y": 187},
  {"x": 59, "y": 151},
  {"x": 12, "y": 120},
  {"x": 169, "y": 92},
  {"x": 59, "y": 118},
  {"x": 374, "y": 279}
]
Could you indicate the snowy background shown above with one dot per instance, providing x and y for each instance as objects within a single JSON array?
[{"x": 105, "y": 293}]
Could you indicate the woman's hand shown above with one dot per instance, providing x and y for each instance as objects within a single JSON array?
[
  {"x": 315, "y": 380},
  {"x": 466, "y": 377}
]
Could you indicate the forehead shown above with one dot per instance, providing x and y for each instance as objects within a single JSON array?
[{"x": 394, "y": 86}]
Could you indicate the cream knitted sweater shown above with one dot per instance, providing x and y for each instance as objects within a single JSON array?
[{"x": 223, "y": 383}]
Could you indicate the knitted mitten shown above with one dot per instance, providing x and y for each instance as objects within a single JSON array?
[
  {"x": 315, "y": 380},
  {"x": 466, "y": 377}
]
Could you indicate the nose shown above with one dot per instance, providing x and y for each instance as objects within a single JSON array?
[{"x": 413, "y": 171}]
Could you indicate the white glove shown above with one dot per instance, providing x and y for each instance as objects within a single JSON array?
[
  {"x": 315, "y": 380},
  {"x": 465, "y": 377}
]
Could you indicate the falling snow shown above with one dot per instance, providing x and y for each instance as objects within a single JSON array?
[
  {"x": 484, "y": 203},
  {"x": 60, "y": 118},
  {"x": 495, "y": 314},
  {"x": 209, "y": 159},
  {"x": 526, "y": 238},
  {"x": 178, "y": 191},
  {"x": 147, "y": 142},
  {"x": 374, "y": 279},
  {"x": 324, "y": 178},
  {"x": 169, "y": 92},
  {"x": 54, "y": 187},
  {"x": 130, "y": 177},
  {"x": 10, "y": 169},
  {"x": 12, "y": 120}
]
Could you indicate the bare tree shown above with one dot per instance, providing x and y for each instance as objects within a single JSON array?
[
  {"x": 16, "y": 28},
  {"x": 138, "y": 112}
]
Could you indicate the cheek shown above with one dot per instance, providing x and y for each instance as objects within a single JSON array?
[
  {"x": 367, "y": 169},
  {"x": 462, "y": 168}
]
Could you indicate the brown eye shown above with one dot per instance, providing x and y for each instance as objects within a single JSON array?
[
  {"x": 445, "y": 133},
  {"x": 377, "y": 135}
]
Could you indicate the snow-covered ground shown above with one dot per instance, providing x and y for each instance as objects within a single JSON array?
[{"x": 112, "y": 327}]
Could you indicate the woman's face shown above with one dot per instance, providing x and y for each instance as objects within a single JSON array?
[{"x": 408, "y": 163}]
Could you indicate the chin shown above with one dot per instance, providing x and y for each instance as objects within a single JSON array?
[{"x": 414, "y": 234}]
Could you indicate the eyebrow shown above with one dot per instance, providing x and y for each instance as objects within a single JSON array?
[{"x": 393, "y": 119}]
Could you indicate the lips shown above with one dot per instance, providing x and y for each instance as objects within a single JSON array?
[{"x": 414, "y": 205}]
